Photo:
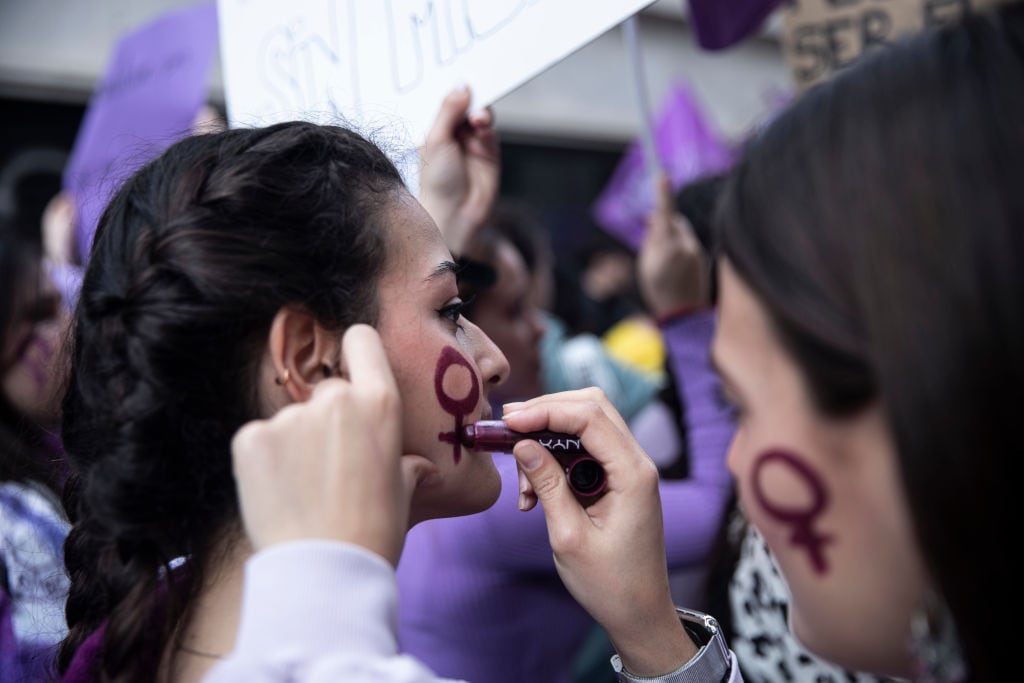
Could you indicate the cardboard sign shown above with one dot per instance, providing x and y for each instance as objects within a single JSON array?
[
  {"x": 154, "y": 86},
  {"x": 821, "y": 37},
  {"x": 387, "y": 64},
  {"x": 688, "y": 148}
]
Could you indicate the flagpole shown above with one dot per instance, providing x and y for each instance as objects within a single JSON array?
[{"x": 631, "y": 33}]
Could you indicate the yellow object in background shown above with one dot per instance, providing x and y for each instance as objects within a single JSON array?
[{"x": 637, "y": 342}]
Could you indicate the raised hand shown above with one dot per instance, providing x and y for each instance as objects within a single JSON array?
[
  {"x": 460, "y": 170},
  {"x": 673, "y": 269}
]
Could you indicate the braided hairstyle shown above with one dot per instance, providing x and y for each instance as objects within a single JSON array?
[{"x": 192, "y": 260}]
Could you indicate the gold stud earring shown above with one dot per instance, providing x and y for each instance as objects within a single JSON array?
[{"x": 281, "y": 381}]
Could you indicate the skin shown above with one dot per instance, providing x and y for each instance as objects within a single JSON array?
[
  {"x": 415, "y": 331},
  {"x": 852, "y": 595},
  {"x": 507, "y": 314},
  {"x": 30, "y": 381}
]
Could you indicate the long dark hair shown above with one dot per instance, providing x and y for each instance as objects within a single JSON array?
[
  {"x": 881, "y": 223},
  {"x": 192, "y": 259}
]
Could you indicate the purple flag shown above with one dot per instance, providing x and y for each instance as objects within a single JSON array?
[
  {"x": 689, "y": 149},
  {"x": 153, "y": 88},
  {"x": 722, "y": 23}
]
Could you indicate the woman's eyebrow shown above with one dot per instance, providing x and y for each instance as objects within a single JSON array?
[{"x": 444, "y": 268}]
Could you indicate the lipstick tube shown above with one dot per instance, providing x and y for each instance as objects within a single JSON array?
[{"x": 584, "y": 473}]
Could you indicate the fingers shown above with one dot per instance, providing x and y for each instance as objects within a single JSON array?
[
  {"x": 663, "y": 201},
  {"x": 363, "y": 355},
  {"x": 449, "y": 116},
  {"x": 483, "y": 118},
  {"x": 547, "y": 481},
  {"x": 415, "y": 471},
  {"x": 530, "y": 415},
  {"x": 659, "y": 222},
  {"x": 527, "y": 499}
]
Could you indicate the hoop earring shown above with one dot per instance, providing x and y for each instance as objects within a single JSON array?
[
  {"x": 281, "y": 381},
  {"x": 934, "y": 644}
]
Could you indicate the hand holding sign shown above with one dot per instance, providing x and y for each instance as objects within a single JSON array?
[{"x": 460, "y": 170}]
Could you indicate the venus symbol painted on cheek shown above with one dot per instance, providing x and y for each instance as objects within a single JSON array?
[
  {"x": 802, "y": 520},
  {"x": 458, "y": 407}
]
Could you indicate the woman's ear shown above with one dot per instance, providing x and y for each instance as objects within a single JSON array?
[{"x": 299, "y": 351}]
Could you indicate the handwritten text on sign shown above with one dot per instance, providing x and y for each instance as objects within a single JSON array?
[
  {"x": 821, "y": 37},
  {"x": 389, "y": 62}
]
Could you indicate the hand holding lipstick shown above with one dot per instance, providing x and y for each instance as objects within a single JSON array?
[
  {"x": 611, "y": 555},
  {"x": 314, "y": 471}
]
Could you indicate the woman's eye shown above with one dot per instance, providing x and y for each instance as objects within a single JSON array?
[
  {"x": 453, "y": 311},
  {"x": 726, "y": 403}
]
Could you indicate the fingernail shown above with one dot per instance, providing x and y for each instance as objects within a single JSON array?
[
  {"x": 530, "y": 458},
  {"x": 522, "y": 501},
  {"x": 510, "y": 408},
  {"x": 523, "y": 483}
]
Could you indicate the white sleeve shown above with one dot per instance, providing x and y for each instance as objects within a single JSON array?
[{"x": 318, "y": 611}]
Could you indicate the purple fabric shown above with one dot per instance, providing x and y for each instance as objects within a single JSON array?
[
  {"x": 688, "y": 148},
  {"x": 480, "y": 598},
  {"x": 85, "y": 664},
  {"x": 8, "y": 643},
  {"x": 154, "y": 86},
  {"x": 722, "y": 23}
]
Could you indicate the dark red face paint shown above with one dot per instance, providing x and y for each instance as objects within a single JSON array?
[
  {"x": 459, "y": 407},
  {"x": 802, "y": 521}
]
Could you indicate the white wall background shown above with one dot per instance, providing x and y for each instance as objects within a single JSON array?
[{"x": 56, "y": 50}]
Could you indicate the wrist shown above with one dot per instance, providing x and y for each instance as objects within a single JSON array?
[
  {"x": 707, "y": 657},
  {"x": 671, "y": 314},
  {"x": 656, "y": 645}
]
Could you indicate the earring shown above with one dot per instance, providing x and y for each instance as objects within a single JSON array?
[
  {"x": 281, "y": 381},
  {"x": 934, "y": 644}
]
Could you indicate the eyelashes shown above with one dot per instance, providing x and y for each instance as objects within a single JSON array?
[
  {"x": 453, "y": 311},
  {"x": 727, "y": 404}
]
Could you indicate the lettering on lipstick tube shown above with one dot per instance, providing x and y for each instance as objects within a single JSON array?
[
  {"x": 802, "y": 520},
  {"x": 458, "y": 407},
  {"x": 561, "y": 444}
]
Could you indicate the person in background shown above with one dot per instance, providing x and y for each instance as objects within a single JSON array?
[
  {"x": 33, "y": 584},
  {"x": 457, "y": 573}
]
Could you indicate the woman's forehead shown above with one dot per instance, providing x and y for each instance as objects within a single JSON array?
[{"x": 415, "y": 247}]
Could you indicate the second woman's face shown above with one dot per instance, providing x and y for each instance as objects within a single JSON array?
[
  {"x": 824, "y": 493},
  {"x": 29, "y": 377},
  {"x": 444, "y": 365}
]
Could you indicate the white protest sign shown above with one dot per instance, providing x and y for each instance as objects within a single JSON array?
[{"x": 389, "y": 63}]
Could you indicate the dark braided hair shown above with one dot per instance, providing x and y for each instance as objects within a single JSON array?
[{"x": 192, "y": 260}]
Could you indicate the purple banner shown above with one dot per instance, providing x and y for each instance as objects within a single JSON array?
[
  {"x": 723, "y": 23},
  {"x": 153, "y": 88},
  {"x": 688, "y": 149}
]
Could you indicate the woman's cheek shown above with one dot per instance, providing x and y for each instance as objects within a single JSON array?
[
  {"x": 458, "y": 394},
  {"x": 788, "y": 498}
]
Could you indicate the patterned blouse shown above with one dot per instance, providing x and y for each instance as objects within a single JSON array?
[{"x": 33, "y": 584}]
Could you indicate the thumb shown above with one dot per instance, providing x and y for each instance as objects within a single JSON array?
[
  {"x": 547, "y": 479},
  {"x": 415, "y": 470}
]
